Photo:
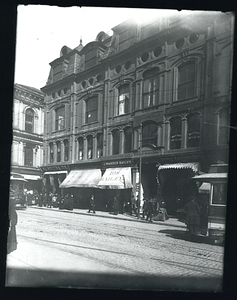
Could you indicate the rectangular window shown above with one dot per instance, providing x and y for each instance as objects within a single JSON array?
[
  {"x": 92, "y": 110},
  {"x": 99, "y": 145},
  {"x": 28, "y": 156},
  {"x": 81, "y": 146},
  {"x": 150, "y": 91},
  {"x": 186, "y": 85},
  {"x": 89, "y": 147},
  {"x": 116, "y": 142},
  {"x": 60, "y": 118},
  {"x": 123, "y": 100},
  {"x": 51, "y": 156}
]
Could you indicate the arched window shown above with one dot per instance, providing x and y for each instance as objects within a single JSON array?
[
  {"x": 29, "y": 155},
  {"x": 66, "y": 150},
  {"x": 150, "y": 95},
  {"x": 90, "y": 147},
  {"x": 186, "y": 81},
  {"x": 149, "y": 134},
  {"x": 123, "y": 99},
  {"x": 193, "y": 131},
  {"x": 224, "y": 123},
  {"x": 175, "y": 133},
  {"x": 115, "y": 141},
  {"x": 80, "y": 148},
  {"x": 99, "y": 145},
  {"x": 127, "y": 140},
  {"x": 29, "y": 120},
  {"x": 58, "y": 151},
  {"x": 60, "y": 118},
  {"x": 51, "y": 153},
  {"x": 92, "y": 109}
]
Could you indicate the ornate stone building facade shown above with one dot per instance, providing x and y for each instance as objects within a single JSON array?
[
  {"x": 152, "y": 97},
  {"x": 28, "y": 128}
]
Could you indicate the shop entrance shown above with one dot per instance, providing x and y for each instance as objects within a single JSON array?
[
  {"x": 177, "y": 186},
  {"x": 149, "y": 182}
]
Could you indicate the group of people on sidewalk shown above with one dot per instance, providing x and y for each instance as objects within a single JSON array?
[{"x": 159, "y": 211}]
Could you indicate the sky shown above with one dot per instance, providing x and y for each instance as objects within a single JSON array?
[{"x": 43, "y": 30}]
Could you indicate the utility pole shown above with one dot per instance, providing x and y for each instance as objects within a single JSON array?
[{"x": 140, "y": 172}]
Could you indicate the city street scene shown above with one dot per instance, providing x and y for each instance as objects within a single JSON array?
[{"x": 120, "y": 150}]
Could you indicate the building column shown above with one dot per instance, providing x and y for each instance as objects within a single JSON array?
[
  {"x": 84, "y": 148},
  {"x": 94, "y": 155},
  {"x": 166, "y": 136},
  {"x": 54, "y": 152},
  {"x": 184, "y": 133},
  {"x": 121, "y": 141},
  {"x": 110, "y": 143}
]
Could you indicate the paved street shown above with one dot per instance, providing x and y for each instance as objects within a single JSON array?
[{"x": 77, "y": 249}]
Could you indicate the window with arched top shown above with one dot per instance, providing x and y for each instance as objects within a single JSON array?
[
  {"x": 58, "y": 151},
  {"x": 80, "y": 148},
  {"x": 90, "y": 147},
  {"x": 92, "y": 109},
  {"x": 224, "y": 123},
  {"x": 127, "y": 140},
  {"x": 29, "y": 155},
  {"x": 123, "y": 99},
  {"x": 186, "y": 80},
  {"x": 66, "y": 150},
  {"x": 99, "y": 145},
  {"x": 29, "y": 120},
  {"x": 149, "y": 134},
  {"x": 150, "y": 94},
  {"x": 60, "y": 118},
  {"x": 193, "y": 137},
  {"x": 175, "y": 132},
  {"x": 116, "y": 137},
  {"x": 51, "y": 153}
]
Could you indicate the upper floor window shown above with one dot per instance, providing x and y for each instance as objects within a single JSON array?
[
  {"x": 127, "y": 140},
  {"x": 90, "y": 147},
  {"x": 193, "y": 130},
  {"x": 29, "y": 155},
  {"x": 224, "y": 120},
  {"x": 29, "y": 120},
  {"x": 123, "y": 99},
  {"x": 149, "y": 134},
  {"x": 150, "y": 95},
  {"x": 58, "y": 151},
  {"x": 80, "y": 148},
  {"x": 99, "y": 145},
  {"x": 175, "y": 133},
  {"x": 51, "y": 153},
  {"x": 186, "y": 81},
  {"x": 116, "y": 141},
  {"x": 92, "y": 109},
  {"x": 66, "y": 150},
  {"x": 60, "y": 118}
]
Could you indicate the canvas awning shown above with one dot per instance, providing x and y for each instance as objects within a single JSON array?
[
  {"x": 32, "y": 177},
  {"x": 116, "y": 178},
  {"x": 55, "y": 172},
  {"x": 82, "y": 178},
  {"x": 180, "y": 166}
]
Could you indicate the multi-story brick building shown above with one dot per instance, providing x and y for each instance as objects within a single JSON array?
[
  {"x": 28, "y": 128},
  {"x": 152, "y": 98}
]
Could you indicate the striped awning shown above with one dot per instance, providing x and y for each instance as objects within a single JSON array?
[
  {"x": 116, "y": 178},
  {"x": 82, "y": 178}
]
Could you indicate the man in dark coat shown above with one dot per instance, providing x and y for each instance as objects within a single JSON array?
[
  {"x": 12, "y": 240},
  {"x": 149, "y": 211},
  {"x": 92, "y": 204},
  {"x": 193, "y": 215}
]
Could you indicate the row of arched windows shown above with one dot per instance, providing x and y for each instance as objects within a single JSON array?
[{"x": 59, "y": 151}]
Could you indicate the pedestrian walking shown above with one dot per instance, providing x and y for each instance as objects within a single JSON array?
[
  {"x": 193, "y": 216},
  {"x": 144, "y": 212},
  {"x": 92, "y": 204},
  {"x": 149, "y": 211},
  {"x": 12, "y": 221}
]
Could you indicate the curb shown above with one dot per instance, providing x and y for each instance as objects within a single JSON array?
[{"x": 110, "y": 216}]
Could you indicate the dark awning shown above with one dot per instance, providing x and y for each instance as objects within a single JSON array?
[
  {"x": 82, "y": 178},
  {"x": 116, "y": 178},
  {"x": 180, "y": 166}
]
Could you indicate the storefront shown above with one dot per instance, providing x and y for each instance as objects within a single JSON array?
[{"x": 176, "y": 184}]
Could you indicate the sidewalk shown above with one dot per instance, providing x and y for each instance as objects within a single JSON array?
[{"x": 173, "y": 222}]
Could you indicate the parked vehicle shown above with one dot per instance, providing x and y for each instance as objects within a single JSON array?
[{"x": 17, "y": 183}]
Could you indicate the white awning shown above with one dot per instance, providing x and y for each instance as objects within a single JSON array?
[
  {"x": 210, "y": 177},
  {"x": 17, "y": 179},
  {"x": 32, "y": 177},
  {"x": 55, "y": 172},
  {"x": 205, "y": 188},
  {"x": 116, "y": 178},
  {"x": 180, "y": 166},
  {"x": 82, "y": 178}
]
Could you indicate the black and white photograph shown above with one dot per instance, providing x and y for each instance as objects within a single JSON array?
[{"x": 120, "y": 148}]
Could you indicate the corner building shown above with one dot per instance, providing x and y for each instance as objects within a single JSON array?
[{"x": 153, "y": 98}]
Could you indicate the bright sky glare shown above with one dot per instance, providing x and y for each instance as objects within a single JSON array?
[{"x": 43, "y": 30}]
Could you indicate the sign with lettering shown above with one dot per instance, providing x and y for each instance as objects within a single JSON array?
[
  {"x": 54, "y": 168},
  {"x": 117, "y": 163}
]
